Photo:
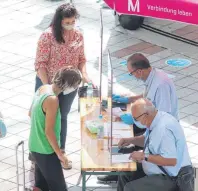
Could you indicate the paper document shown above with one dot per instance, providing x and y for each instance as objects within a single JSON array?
[
  {"x": 121, "y": 134},
  {"x": 121, "y": 158},
  {"x": 118, "y": 134},
  {"x": 116, "y": 111},
  {"x": 118, "y": 126},
  {"x": 121, "y": 126}
]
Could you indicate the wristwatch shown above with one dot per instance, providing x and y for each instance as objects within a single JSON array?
[{"x": 146, "y": 155}]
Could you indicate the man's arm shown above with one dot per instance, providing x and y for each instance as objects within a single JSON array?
[
  {"x": 161, "y": 161},
  {"x": 139, "y": 156},
  {"x": 138, "y": 141}
]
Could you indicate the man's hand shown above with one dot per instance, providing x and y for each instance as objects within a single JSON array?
[
  {"x": 127, "y": 118},
  {"x": 120, "y": 99},
  {"x": 137, "y": 156},
  {"x": 124, "y": 142}
]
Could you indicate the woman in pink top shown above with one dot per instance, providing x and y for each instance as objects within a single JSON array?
[{"x": 61, "y": 45}]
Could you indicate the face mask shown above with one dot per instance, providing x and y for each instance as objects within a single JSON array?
[
  {"x": 68, "y": 27},
  {"x": 138, "y": 124},
  {"x": 68, "y": 90}
]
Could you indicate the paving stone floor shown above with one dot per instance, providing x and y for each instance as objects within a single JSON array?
[{"x": 22, "y": 22}]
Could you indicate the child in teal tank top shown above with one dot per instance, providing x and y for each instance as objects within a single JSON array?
[{"x": 44, "y": 139}]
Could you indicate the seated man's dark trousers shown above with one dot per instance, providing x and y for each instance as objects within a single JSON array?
[{"x": 138, "y": 181}]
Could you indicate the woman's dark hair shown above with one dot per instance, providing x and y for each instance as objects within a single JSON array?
[{"x": 66, "y": 10}]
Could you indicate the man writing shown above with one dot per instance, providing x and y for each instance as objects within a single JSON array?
[{"x": 165, "y": 146}]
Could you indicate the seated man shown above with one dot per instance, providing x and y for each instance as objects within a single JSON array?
[{"x": 164, "y": 146}]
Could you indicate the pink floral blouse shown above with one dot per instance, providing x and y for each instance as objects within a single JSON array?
[{"x": 53, "y": 55}]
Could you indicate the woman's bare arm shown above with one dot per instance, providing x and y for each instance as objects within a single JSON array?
[{"x": 50, "y": 106}]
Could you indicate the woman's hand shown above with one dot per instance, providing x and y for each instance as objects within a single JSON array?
[
  {"x": 63, "y": 159},
  {"x": 86, "y": 79},
  {"x": 94, "y": 85}
]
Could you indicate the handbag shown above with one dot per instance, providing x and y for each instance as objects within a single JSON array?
[{"x": 184, "y": 179}]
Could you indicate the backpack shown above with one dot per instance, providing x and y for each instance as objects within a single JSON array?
[{"x": 184, "y": 179}]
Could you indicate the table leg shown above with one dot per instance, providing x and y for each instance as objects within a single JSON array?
[
  {"x": 79, "y": 179},
  {"x": 83, "y": 181}
]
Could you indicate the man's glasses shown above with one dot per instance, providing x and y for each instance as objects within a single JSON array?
[
  {"x": 136, "y": 118},
  {"x": 131, "y": 73}
]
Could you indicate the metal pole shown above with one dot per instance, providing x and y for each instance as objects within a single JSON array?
[
  {"x": 17, "y": 168},
  {"x": 100, "y": 59},
  {"x": 23, "y": 163},
  {"x": 17, "y": 165},
  {"x": 111, "y": 104}
]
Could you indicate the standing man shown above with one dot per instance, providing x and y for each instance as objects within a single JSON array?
[{"x": 159, "y": 89}]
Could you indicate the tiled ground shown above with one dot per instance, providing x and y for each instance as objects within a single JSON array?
[
  {"x": 22, "y": 21},
  {"x": 181, "y": 29}
]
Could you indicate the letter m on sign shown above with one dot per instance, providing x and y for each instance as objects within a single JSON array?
[{"x": 134, "y": 6}]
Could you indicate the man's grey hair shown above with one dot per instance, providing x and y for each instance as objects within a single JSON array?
[
  {"x": 149, "y": 109},
  {"x": 138, "y": 61},
  {"x": 145, "y": 105}
]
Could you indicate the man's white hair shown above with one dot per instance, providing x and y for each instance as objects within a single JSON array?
[
  {"x": 145, "y": 105},
  {"x": 149, "y": 107}
]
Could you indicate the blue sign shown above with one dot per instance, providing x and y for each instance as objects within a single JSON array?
[{"x": 178, "y": 62}]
